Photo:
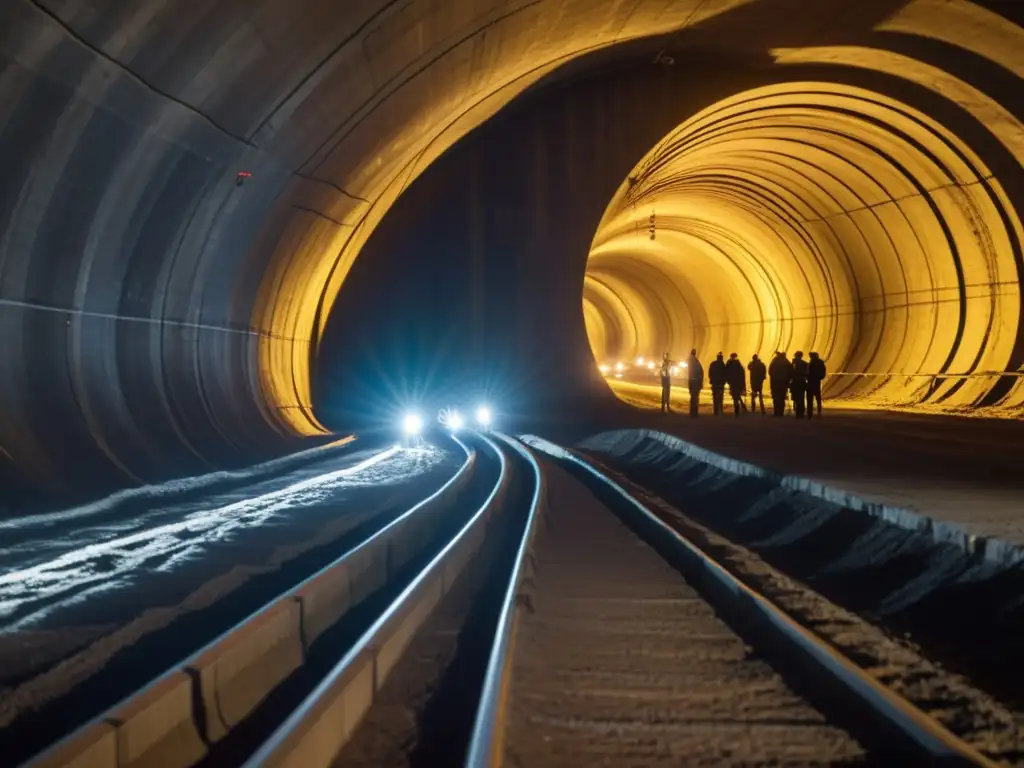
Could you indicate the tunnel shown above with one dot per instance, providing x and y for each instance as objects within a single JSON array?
[{"x": 231, "y": 229}]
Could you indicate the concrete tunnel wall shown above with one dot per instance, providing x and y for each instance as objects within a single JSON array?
[
  {"x": 820, "y": 216},
  {"x": 471, "y": 289},
  {"x": 157, "y": 319}
]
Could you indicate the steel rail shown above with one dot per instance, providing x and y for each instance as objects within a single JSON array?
[
  {"x": 488, "y": 736},
  {"x": 918, "y": 733},
  {"x": 315, "y": 732}
]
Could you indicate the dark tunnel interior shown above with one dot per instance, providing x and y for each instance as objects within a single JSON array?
[{"x": 229, "y": 229}]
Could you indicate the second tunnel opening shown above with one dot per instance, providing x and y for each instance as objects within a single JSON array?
[{"x": 817, "y": 215}]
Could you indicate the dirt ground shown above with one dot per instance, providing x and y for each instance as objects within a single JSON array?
[
  {"x": 622, "y": 663},
  {"x": 960, "y": 470},
  {"x": 940, "y": 627}
]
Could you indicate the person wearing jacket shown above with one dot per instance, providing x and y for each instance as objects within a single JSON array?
[
  {"x": 666, "y": 384},
  {"x": 779, "y": 374},
  {"x": 695, "y": 379},
  {"x": 758, "y": 373},
  {"x": 716, "y": 373},
  {"x": 798, "y": 383},
  {"x": 816, "y": 372},
  {"x": 736, "y": 377}
]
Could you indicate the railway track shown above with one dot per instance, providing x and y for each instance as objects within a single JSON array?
[
  {"x": 561, "y": 623},
  {"x": 204, "y": 691}
]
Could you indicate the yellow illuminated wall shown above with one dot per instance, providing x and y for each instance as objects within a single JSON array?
[
  {"x": 805, "y": 215},
  {"x": 817, "y": 216}
]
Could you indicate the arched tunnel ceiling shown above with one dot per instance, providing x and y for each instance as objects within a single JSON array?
[
  {"x": 171, "y": 312},
  {"x": 814, "y": 215}
]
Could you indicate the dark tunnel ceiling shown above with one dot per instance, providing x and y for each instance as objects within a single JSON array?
[{"x": 152, "y": 309}]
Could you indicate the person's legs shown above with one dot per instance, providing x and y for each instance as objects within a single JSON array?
[
  {"x": 817, "y": 398},
  {"x": 810, "y": 404},
  {"x": 760, "y": 398},
  {"x": 798, "y": 402},
  {"x": 694, "y": 401}
]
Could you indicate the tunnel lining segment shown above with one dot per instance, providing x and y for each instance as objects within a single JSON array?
[{"x": 886, "y": 220}]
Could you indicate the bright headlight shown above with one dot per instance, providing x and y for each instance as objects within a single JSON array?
[
  {"x": 412, "y": 424},
  {"x": 483, "y": 416},
  {"x": 455, "y": 422}
]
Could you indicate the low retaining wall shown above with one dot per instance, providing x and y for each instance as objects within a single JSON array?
[{"x": 633, "y": 444}]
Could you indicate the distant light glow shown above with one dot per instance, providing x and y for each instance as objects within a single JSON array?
[
  {"x": 412, "y": 424},
  {"x": 483, "y": 416},
  {"x": 620, "y": 367},
  {"x": 639, "y": 361},
  {"x": 674, "y": 370},
  {"x": 618, "y": 375},
  {"x": 455, "y": 421},
  {"x": 650, "y": 366},
  {"x": 605, "y": 368}
]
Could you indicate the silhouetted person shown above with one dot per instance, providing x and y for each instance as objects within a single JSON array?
[
  {"x": 716, "y": 373},
  {"x": 758, "y": 373},
  {"x": 798, "y": 383},
  {"x": 666, "y": 384},
  {"x": 779, "y": 373},
  {"x": 737, "y": 379},
  {"x": 815, "y": 375},
  {"x": 695, "y": 378}
]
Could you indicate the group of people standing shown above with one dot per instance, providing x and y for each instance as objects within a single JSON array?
[{"x": 798, "y": 378}]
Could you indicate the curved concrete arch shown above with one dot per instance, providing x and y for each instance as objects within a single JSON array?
[
  {"x": 894, "y": 252},
  {"x": 163, "y": 314}
]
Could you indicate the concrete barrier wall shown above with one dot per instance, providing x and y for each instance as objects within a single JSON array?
[
  {"x": 237, "y": 673},
  {"x": 328, "y": 725},
  {"x": 156, "y": 728},
  {"x": 318, "y": 732},
  {"x": 93, "y": 747},
  {"x": 161, "y": 727},
  {"x": 395, "y": 637},
  {"x": 324, "y": 601}
]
